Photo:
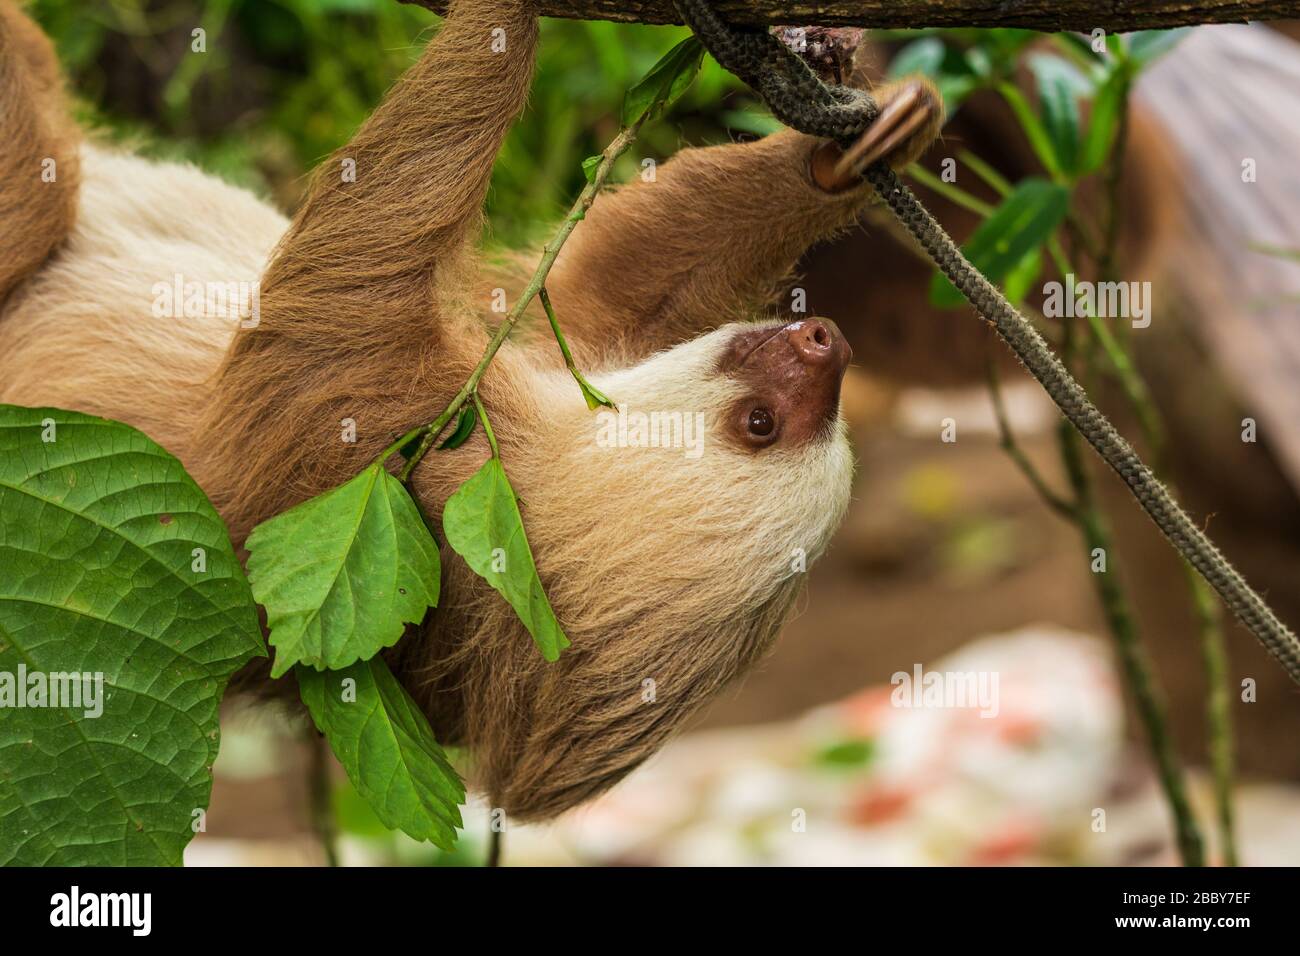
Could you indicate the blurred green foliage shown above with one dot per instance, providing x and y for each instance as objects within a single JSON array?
[{"x": 284, "y": 82}]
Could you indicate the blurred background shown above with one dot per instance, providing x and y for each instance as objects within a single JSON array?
[{"x": 950, "y": 559}]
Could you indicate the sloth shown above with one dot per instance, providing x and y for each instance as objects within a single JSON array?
[{"x": 671, "y": 573}]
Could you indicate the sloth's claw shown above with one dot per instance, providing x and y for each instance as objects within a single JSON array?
[
  {"x": 910, "y": 117},
  {"x": 913, "y": 106}
]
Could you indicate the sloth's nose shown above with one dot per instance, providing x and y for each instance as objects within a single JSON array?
[{"x": 818, "y": 342}]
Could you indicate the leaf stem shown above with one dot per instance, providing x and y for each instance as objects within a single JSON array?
[
  {"x": 593, "y": 396},
  {"x": 952, "y": 193},
  {"x": 318, "y": 788},
  {"x": 555, "y": 327},
  {"x": 487, "y": 426},
  {"x": 1218, "y": 717},
  {"x": 992, "y": 178}
]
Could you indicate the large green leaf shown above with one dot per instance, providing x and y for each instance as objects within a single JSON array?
[
  {"x": 482, "y": 522},
  {"x": 112, "y": 563},
  {"x": 667, "y": 80},
  {"x": 1001, "y": 243},
  {"x": 387, "y": 748},
  {"x": 341, "y": 575}
]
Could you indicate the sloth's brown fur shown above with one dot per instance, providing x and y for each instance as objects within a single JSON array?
[
  {"x": 373, "y": 308},
  {"x": 40, "y": 139}
]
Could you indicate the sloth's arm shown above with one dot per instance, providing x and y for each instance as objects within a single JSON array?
[
  {"x": 397, "y": 207},
  {"x": 709, "y": 240},
  {"x": 38, "y": 150},
  {"x": 357, "y": 321}
]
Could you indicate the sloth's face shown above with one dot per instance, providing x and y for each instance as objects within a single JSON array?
[
  {"x": 730, "y": 446},
  {"x": 791, "y": 375}
]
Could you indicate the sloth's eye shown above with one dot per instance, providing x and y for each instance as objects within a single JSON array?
[{"x": 761, "y": 422}]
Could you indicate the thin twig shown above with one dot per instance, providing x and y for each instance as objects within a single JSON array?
[
  {"x": 1133, "y": 657},
  {"x": 429, "y": 433},
  {"x": 1218, "y": 717},
  {"x": 318, "y": 791},
  {"x": 1114, "y": 178},
  {"x": 1066, "y": 509},
  {"x": 1086, "y": 515}
]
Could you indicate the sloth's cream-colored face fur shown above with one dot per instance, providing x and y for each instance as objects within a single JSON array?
[
  {"x": 735, "y": 520},
  {"x": 671, "y": 565}
]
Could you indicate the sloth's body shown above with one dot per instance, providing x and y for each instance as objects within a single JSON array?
[
  {"x": 83, "y": 334},
  {"x": 662, "y": 566}
]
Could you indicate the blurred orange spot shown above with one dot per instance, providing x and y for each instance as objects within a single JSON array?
[
  {"x": 1010, "y": 845},
  {"x": 879, "y": 806}
]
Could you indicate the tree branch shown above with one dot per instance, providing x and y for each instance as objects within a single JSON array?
[{"x": 1080, "y": 16}]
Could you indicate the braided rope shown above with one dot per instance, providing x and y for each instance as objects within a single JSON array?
[{"x": 803, "y": 102}]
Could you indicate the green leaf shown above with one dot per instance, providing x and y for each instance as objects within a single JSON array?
[
  {"x": 1079, "y": 45},
  {"x": 925, "y": 55},
  {"x": 589, "y": 166},
  {"x": 340, "y": 575},
  {"x": 112, "y": 563},
  {"x": 1022, "y": 276},
  {"x": 482, "y": 522},
  {"x": 1034, "y": 130},
  {"x": 1281, "y": 252},
  {"x": 408, "y": 450},
  {"x": 1059, "y": 85},
  {"x": 667, "y": 80},
  {"x": 1058, "y": 69},
  {"x": 385, "y": 744},
  {"x": 1145, "y": 46},
  {"x": 752, "y": 121},
  {"x": 1020, "y": 225},
  {"x": 1005, "y": 43},
  {"x": 1103, "y": 123},
  {"x": 593, "y": 396},
  {"x": 464, "y": 428},
  {"x": 849, "y": 754}
]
